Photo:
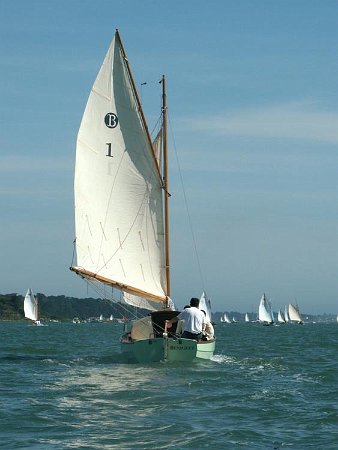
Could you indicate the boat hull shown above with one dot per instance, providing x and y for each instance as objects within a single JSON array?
[
  {"x": 167, "y": 349},
  {"x": 205, "y": 349}
]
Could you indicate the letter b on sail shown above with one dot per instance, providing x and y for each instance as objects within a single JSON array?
[{"x": 111, "y": 120}]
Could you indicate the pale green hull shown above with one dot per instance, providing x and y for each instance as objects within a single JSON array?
[
  {"x": 205, "y": 350},
  {"x": 162, "y": 349}
]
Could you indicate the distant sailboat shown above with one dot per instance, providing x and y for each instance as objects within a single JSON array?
[
  {"x": 286, "y": 314},
  {"x": 31, "y": 307},
  {"x": 265, "y": 314},
  {"x": 280, "y": 317},
  {"x": 294, "y": 314},
  {"x": 226, "y": 318},
  {"x": 247, "y": 319}
]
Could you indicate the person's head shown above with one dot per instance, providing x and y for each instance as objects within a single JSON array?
[{"x": 194, "y": 302}]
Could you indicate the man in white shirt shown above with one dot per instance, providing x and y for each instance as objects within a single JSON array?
[{"x": 194, "y": 320}]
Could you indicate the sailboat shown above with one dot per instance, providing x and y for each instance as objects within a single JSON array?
[
  {"x": 286, "y": 314},
  {"x": 122, "y": 210},
  {"x": 280, "y": 317},
  {"x": 31, "y": 307},
  {"x": 226, "y": 318},
  {"x": 265, "y": 314},
  {"x": 294, "y": 314},
  {"x": 247, "y": 318}
]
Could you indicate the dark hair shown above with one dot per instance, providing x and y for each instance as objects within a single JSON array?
[{"x": 194, "y": 302}]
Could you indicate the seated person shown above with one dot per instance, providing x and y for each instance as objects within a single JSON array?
[{"x": 194, "y": 321}]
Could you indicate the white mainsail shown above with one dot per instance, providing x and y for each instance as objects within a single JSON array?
[
  {"x": 294, "y": 314},
  {"x": 226, "y": 318},
  {"x": 118, "y": 187},
  {"x": 280, "y": 317},
  {"x": 247, "y": 319},
  {"x": 264, "y": 311},
  {"x": 286, "y": 314},
  {"x": 30, "y": 306}
]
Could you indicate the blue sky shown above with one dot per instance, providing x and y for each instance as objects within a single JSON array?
[{"x": 253, "y": 111}]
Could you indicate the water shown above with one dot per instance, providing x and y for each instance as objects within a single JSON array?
[{"x": 66, "y": 386}]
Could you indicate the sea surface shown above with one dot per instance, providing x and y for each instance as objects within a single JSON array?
[{"x": 66, "y": 386}]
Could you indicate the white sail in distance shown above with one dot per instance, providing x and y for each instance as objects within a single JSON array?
[
  {"x": 286, "y": 314},
  {"x": 280, "y": 317},
  {"x": 226, "y": 318},
  {"x": 264, "y": 310},
  {"x": 31, "y": 306},
  {"x": 294, "y": 314},
  {"x": 118, "y": 187}
]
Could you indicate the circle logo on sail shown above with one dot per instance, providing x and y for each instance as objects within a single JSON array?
[{"x": 111, "y": 120}]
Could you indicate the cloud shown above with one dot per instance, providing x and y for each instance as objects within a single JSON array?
[{"x": 296, "y": 120}]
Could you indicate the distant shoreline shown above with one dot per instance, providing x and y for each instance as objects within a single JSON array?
[{"x": 61, "y": 307}]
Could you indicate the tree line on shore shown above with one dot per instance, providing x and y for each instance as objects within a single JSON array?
[{"x": 60, "y": 307}]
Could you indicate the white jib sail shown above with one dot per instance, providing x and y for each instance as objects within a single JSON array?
[
  {"x": 143, "y": 303},
  {"x": 205, "y": 305},
  {"x": 30, "y": 306},
  {"x": 118, "y": 190}
]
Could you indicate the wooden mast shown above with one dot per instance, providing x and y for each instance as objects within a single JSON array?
[{"x": 166, "y": 187}]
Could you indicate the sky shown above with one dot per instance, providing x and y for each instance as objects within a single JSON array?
[{"x": 252, "y": 99}]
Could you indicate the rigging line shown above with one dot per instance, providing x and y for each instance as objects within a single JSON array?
[
  {"x": 128, "y": 309},
  {"x": 99, "y": 289},
  {"x": 157, "y": 125},
  {"x": 186, "y": 205}
]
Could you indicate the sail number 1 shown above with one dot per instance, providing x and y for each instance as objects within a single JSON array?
[{"x": 109, "y": 150}]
